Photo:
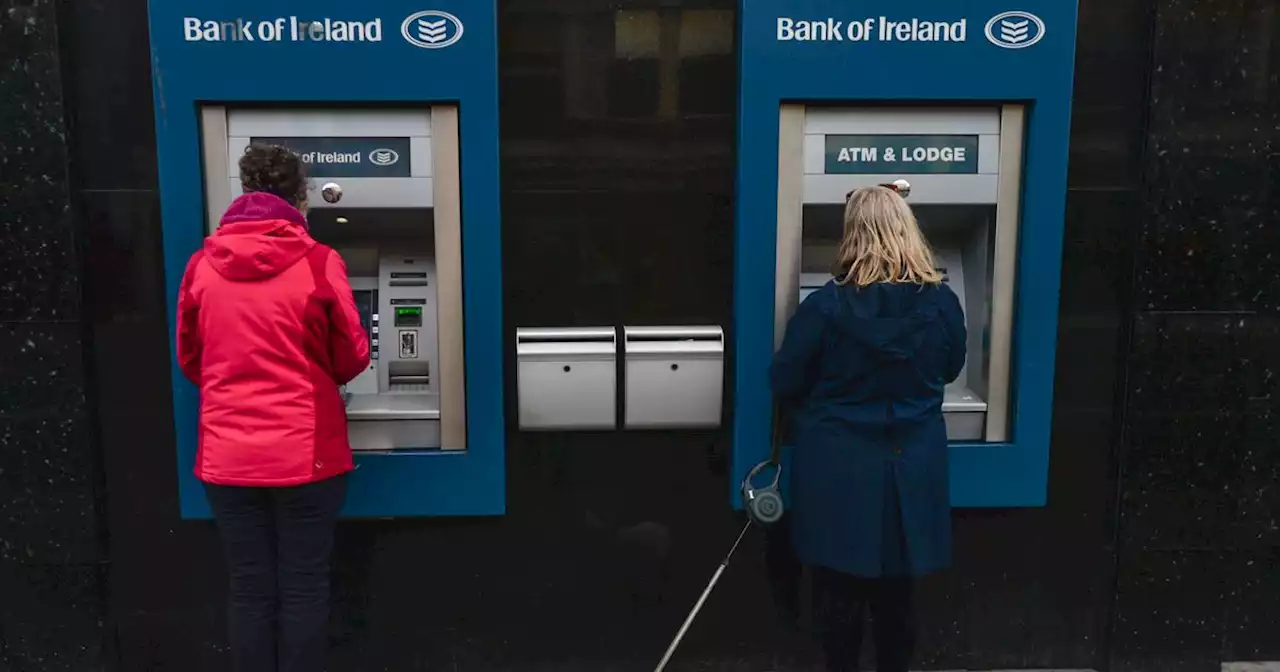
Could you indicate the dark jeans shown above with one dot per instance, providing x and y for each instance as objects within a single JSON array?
[
  {"x": 277, "y": 543},
  {"x": 840, "y": 602}
]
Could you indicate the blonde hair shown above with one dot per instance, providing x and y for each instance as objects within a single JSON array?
[{"x": 882, "y": 242}]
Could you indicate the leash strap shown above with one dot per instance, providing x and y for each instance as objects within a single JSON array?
[{"x": 775, "y": 448}]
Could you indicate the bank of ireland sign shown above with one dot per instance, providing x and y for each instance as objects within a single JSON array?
[
  {"x": 428, "y": 29},
  {"x": 901, "y": 154},
  {"x": 1015, "y": 30},
  {"x": 432, "y": 29},
  {"x": 332, "y": 157},
  {"x": 1008, "y": 30}
]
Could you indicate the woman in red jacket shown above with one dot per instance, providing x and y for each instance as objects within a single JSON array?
[{"x": 268, "y": 329}]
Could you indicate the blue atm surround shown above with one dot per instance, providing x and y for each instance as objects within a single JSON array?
[
  {"x": 873, "y": 71},
  {"x": 274, "y": 68}
]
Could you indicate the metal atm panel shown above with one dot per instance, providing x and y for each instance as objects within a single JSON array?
[
  {"x": 394, "y": 218},
  {"x": 961, "y": 196}
]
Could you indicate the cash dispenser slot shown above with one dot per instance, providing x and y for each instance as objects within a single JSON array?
[
  {"x": 566, "y": 378},
  {"x": 674, "y": 377},
  {"x": 407, "y": 379},
  {"x": 408, "y": 280}
]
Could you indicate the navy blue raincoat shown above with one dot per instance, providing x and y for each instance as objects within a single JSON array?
[{"x": 861, "y": 374}]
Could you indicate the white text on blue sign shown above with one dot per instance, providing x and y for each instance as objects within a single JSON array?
[
  {"x": 903, "y": 154},
  {"x": 284, "y": 29},
  {"x": 872, "y": 29}
]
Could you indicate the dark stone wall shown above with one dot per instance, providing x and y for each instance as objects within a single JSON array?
[
  {"x": 51, "y": 555},
  {"x": 1200, "y": 485},
  {"x": 1157, "y": 550}
]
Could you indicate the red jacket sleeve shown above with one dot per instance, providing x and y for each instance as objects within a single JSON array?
[
  {"x": 348, "y": 342},
  {"x": 189, "y": 343}
]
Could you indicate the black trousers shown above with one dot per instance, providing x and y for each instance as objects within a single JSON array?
[
  {"x": 278, "y": 543},
  {"x": 840, "y": 604}
]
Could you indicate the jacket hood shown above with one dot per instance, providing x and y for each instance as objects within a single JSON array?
[
  {"x": 890, "y": 320},
  {"x": 259, "y": 237}
]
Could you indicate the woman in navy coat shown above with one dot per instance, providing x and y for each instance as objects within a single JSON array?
[{"x": 861, "y": 374}]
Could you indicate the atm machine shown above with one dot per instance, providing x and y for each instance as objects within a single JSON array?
[
  {"x": 403, "y": 184},
  {"x": 969, "y": 104},
  {"x": 384, "y": 194},
  {"x": 950, "y": 160}
]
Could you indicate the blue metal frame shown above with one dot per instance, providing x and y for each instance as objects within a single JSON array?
[
  {"x": 974, "y": 71},
  {"x": 391, "y": 71}
]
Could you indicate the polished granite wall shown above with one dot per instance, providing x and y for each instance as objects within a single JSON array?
[
  {"x": 1199, "y": 565},
  {"x": 51, "y": 555},
  {"x": 1157, "y": 549}
]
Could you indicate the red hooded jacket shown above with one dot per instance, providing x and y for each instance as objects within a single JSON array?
[{"x": 268, "y": 329}]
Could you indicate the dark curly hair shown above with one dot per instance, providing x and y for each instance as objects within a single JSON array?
[{"x": 275, "y": 170}]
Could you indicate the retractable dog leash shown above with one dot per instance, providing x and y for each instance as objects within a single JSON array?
[
  {"x": 688, "y": 621},
  {"x": 764, "y": 506}
]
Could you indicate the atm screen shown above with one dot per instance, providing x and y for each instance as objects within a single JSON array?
[{"x": 366, "y": 305}]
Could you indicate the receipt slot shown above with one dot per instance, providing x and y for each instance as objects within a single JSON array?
[
  {"x": 674, "y": 377},
  {"x": 403, "y": 171},
  {"x": 567, "y": 379},
  {"x": 970, "y": 104}
]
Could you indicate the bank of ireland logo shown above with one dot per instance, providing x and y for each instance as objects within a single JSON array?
[
  {"x": 384, "y": 157},
  {"x": 1015, "y": 30},
  {"x": 432, "y": 29}
]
